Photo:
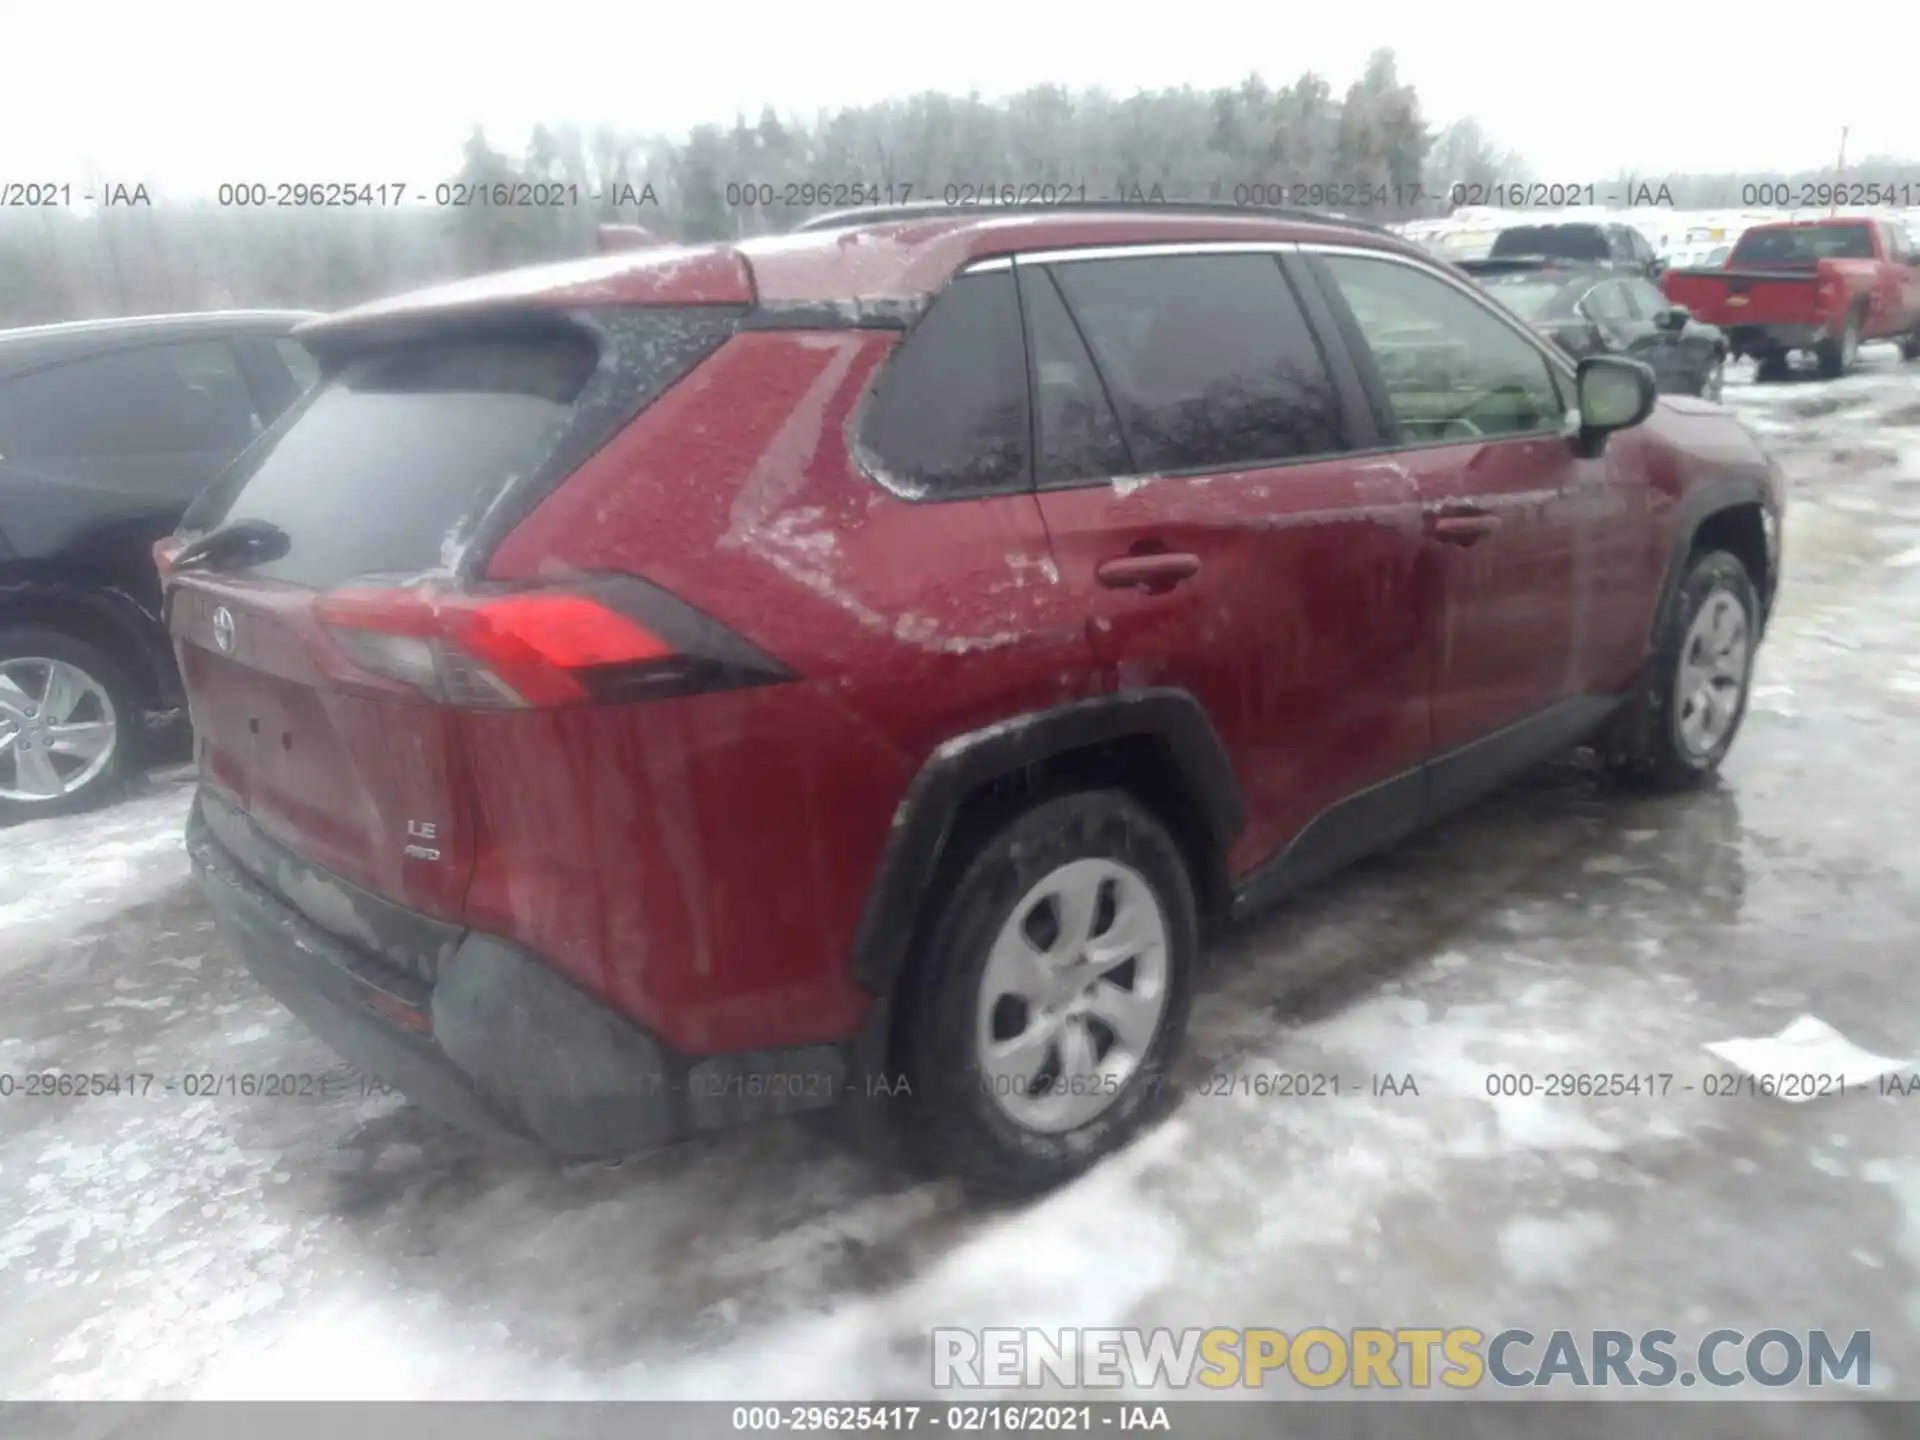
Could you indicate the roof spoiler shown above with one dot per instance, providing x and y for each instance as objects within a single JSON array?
[{"x": 609, "y": 238}]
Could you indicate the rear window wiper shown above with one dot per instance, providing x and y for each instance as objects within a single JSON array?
[{"x": 251, "y": 540}]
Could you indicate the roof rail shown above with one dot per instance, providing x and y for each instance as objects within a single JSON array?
[{"x": 933, "y": 209}]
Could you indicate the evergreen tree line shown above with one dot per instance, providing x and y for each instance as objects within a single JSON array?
[{"x": 1370, "y": 153}]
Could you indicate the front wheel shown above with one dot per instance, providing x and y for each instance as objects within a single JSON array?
[
  {"x": 67, "y": 720},
  {"x": 1714, "y": 383},
  {"x": 1682, "y": 721},
  {"x": 1053, "y": 993}
]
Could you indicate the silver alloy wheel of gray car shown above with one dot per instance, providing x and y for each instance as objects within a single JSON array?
[
  {"x": 1716, "y": 382},
  {"x": 58, "y": 729},
  {"x": 1072, "y": 994},
  {"x": 1715, "y": 659}
]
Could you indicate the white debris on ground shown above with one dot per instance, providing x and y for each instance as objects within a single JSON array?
[
  {"x": 1513, "y": 1008},
  {"x": 62, "y": 872}
]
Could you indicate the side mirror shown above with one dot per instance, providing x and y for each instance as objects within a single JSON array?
[
  {"x": 1615, "y": 394},
  {"x": 1674, "y": 317}
]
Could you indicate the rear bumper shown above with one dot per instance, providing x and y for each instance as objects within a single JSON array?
[
  {"x": 1749, "y": 339},
  {"x": 500, "y": 1044}
]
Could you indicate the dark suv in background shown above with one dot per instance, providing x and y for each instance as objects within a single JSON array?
[
  {"x": 691, "y": 684},
  {"x": 108, "y": 429}
]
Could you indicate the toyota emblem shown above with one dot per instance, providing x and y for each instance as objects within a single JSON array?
[{"x": 223, "y": 629}]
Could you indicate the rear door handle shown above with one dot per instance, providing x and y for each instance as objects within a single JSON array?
[
  {"x": 1462, "y": 527},
  {"x": 1161, "y": 571}
]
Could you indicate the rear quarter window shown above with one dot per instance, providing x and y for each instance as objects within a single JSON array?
[{"x": 948, "y": 414}]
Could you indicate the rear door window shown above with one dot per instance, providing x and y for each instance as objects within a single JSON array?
[
  {"x": 1209, "y": 360},
  {"x": 948, "y": 414},
  {"x": 184, "y": 399},
  {"x": 1607, "y": 303},
  {"x": 1647, "y": 301}
]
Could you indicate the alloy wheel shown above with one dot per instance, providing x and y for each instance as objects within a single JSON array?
[
  {"x": 58, "y": 729},
  {"x": 1072, "y": 994}
]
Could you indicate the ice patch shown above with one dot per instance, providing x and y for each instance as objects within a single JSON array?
[
  {"x": 1537, "y": 1249},
  {"x": 1809, "y": 1047},
  {"x": 61, "y": 872}
]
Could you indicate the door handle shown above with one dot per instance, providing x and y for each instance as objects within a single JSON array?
[
  {"x": 1154, "y": 572},
  {"x": 1462, "y": 527}
]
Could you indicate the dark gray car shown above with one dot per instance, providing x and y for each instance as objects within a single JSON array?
[
  {"x": 108, "y": 429},
  {"x": 1588, "y": 310}
]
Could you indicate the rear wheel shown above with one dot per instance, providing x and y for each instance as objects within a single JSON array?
[
  {"x": 68, "y": 715},
  {"x": 1910, "y": 346},
  {"x": 1838, "y": 356},
  {"x": 1682, "y": 722},
  {"x": 1053, "y": 993}
]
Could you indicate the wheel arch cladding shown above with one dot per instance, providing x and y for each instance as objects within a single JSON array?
[
  {"x": 108, "y": 620},
  {"x": 1157, "y": 745},
  {"x": 1742, "y": 533},
  {"x": 1728, "y": 516}
]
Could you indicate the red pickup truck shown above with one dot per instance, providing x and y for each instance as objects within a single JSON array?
[{"x": 1819, "y": 285}]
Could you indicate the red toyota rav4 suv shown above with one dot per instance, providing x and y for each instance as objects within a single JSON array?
[{"x": 645, "y": 693}]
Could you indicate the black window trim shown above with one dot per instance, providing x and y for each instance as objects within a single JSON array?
[
  {"x": 1038, "y": 275},
  {"x": 1559, "y": 367}
]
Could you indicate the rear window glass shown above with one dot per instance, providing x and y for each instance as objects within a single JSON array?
[
  {"x": 1566, "y": 242},
  {"x": 1805, "y": 244},
  {"x": 383, "y": 467}
]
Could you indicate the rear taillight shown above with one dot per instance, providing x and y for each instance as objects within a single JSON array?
[
  {"x": 611, "y": 639},
  {"x": 163, "y": 552}
]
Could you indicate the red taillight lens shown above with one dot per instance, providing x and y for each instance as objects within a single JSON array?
[
  {"x": 491, "y": 652},
  {"x": 163, "y": 552}
]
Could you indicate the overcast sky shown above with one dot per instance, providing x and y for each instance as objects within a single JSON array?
[{"x": 188, "y": 93}]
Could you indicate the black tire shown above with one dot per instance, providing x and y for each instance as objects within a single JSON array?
[
  {"x": 1645, "y": 747},
  {"x": 1838, "y": 356},
  {"x": 955, "y": 1122},
  {"x": 40, "y": 642},
  {"x": 1772, "y": 367},
  {"x": 1910, "y": 346}
]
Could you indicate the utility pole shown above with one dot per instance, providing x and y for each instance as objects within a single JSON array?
[{"x": 1839, "y": 169}]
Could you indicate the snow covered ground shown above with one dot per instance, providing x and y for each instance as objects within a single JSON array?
[{"x": 186, "y": 1244}]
